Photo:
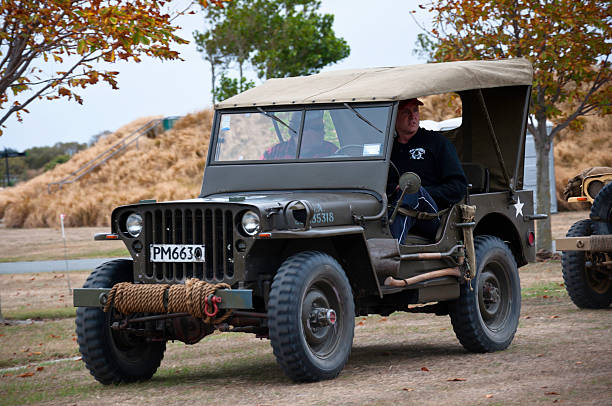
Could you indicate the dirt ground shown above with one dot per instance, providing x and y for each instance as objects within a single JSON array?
[{"x": 560, "y": 354}]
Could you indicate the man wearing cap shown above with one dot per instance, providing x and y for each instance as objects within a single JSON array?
[
  {"x": 313, "y": 143},
  {"x": 431, "y": 156}
]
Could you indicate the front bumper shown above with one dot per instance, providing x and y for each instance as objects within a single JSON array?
[{"x": 230, "y": 299}]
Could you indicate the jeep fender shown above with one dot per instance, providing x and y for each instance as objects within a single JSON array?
[
  {"x": 499, "y": 225},
  {"x": 346, "y": 244}
]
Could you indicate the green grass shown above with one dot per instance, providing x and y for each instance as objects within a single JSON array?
[
  {"x": 544, "y": 290},
  {"x": 24, "y": 344},
  {"x": 53, "y": 313}
]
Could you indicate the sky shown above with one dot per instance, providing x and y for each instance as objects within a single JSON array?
[{"x": 380, "y": 33}]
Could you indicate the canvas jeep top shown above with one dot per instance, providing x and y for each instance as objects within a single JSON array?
[{"x": 292, "y": 245}]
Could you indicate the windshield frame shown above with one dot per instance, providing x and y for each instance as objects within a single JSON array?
[{"x": 304, "y": 109}]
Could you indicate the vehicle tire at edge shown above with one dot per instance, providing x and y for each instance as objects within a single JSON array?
[
  {"x": 305, "y": 351},
  {"x": 113, "y": 357},
  {"x": 576, "y": 277},
  {"x": 485, "y": 319},
  {"x": 602, "y": 211}
]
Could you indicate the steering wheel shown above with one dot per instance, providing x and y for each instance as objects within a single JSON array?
[{"x": 340, "y": 150}]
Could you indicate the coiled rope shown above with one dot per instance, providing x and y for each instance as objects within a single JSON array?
[{"x": 128, "y": 298}]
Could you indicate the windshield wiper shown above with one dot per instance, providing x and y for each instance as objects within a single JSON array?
[
  {"x": 362, "y": 117},
  {"x": 273, "y": 117}
]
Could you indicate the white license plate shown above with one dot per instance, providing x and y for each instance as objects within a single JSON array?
[{"x": 177, "y": 253}]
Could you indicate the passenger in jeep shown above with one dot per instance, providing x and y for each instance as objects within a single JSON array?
[
  {"x": 431, "y": 156},
  {"x": 313, "y": 143}
]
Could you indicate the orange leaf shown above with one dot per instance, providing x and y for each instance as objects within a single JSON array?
[
  {"x": 424, "y": 369},
  {"x": 554, "y": 317},
  {"x": 488, "y": 396},
  {"x": 383, "y": 319},
  {"x": 26, "y": 374},
  {"x": 361, "y": 323},
  {"x": 40, "y": 368}
]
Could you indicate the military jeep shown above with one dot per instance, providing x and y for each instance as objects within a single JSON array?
[
  {"x": 587, "y": 246},
  {"x": 293, "y": 246}
]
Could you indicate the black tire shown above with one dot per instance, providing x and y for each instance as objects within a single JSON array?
[
  {"x": 307, "y": 352},
  {"x": 588, "y": 289},
  {"x": 485, "y": 318},
  {"x": 111, "y": 356},
  {"x": 601, "y": 211}
]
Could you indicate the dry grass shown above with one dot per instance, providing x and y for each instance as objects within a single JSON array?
[
  {"x": 167, "y": 167},
  {"x": 578, "y": 150}
]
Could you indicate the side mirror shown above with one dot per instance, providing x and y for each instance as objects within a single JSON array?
[{"x": 409, "y": 183}]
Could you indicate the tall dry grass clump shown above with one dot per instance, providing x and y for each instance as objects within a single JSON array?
[{"x": 167, "y": 167}]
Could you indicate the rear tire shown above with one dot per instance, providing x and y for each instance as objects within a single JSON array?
[
  {"x": 307, "y": 346},
  {"x": 485, "y": 319},
  {"x": 588, "y": 289},
  {"x": 112, "y": 356},
  {"x": 601, "y": 211}
]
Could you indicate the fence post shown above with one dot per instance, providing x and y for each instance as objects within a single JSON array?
[{"x": 65, "y": 253}]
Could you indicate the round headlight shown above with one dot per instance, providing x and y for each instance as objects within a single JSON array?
[
  {"x": 133, "y": 224},
  {"x": 250, "y": 223}
]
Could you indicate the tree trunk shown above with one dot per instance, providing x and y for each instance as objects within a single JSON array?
[
  {"x": 212, "y": 73},
  {"x": 543, "y": 145},
  {"x": 240, "y": 78}
]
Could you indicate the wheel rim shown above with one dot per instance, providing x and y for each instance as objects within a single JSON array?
[
  {"x": 494, "y": 296},
  {"x": 125, "y": 345},
  {"x": 598, "y": 281},
  {"x": 322, "y": 334}
]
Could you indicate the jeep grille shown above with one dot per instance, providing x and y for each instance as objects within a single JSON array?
[{"x": 213, "y": 227}]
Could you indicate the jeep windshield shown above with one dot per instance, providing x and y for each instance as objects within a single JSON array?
[{"x": 334, "y": 133}]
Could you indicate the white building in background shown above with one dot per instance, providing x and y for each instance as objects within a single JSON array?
[{"x": 529, "y": 170}]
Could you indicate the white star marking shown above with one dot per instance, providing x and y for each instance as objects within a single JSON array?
[{"x": 518, "y": 206}]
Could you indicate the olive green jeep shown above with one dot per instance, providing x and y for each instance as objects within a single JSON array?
[{"x": 292, "y": 244}]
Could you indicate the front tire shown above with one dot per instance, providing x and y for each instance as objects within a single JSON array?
[
  {"x": 113, "y": 356},
  {"x": 311, "y": 317},
  {"x": 485, "y": 319},
  {"x": 588, "y": 288}
]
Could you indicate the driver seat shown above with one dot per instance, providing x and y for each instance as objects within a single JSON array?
[{"x": 416, "y": 239}]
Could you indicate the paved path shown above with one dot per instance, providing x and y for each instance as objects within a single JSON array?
[{"x": 51, "y": 266}]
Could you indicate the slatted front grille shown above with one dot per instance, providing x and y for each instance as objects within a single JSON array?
[{"x": 212, "y": 227}]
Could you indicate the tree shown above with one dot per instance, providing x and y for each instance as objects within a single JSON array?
[
  {"x": 230, "y": 86},
  {"x": 37, "y": 35},
  {"x": 567, "y": 41},
  {"x": 278, "y": 38}
]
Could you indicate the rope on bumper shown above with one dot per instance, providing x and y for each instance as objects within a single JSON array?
[{"x": 193, "y": 297}]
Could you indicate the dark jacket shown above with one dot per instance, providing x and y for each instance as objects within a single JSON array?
[{"x": 433, "y": 157}]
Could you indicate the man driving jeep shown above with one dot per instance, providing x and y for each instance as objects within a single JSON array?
[
  {"x": 431, "y": 156},
  {"x": 313, "y": 143}
]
